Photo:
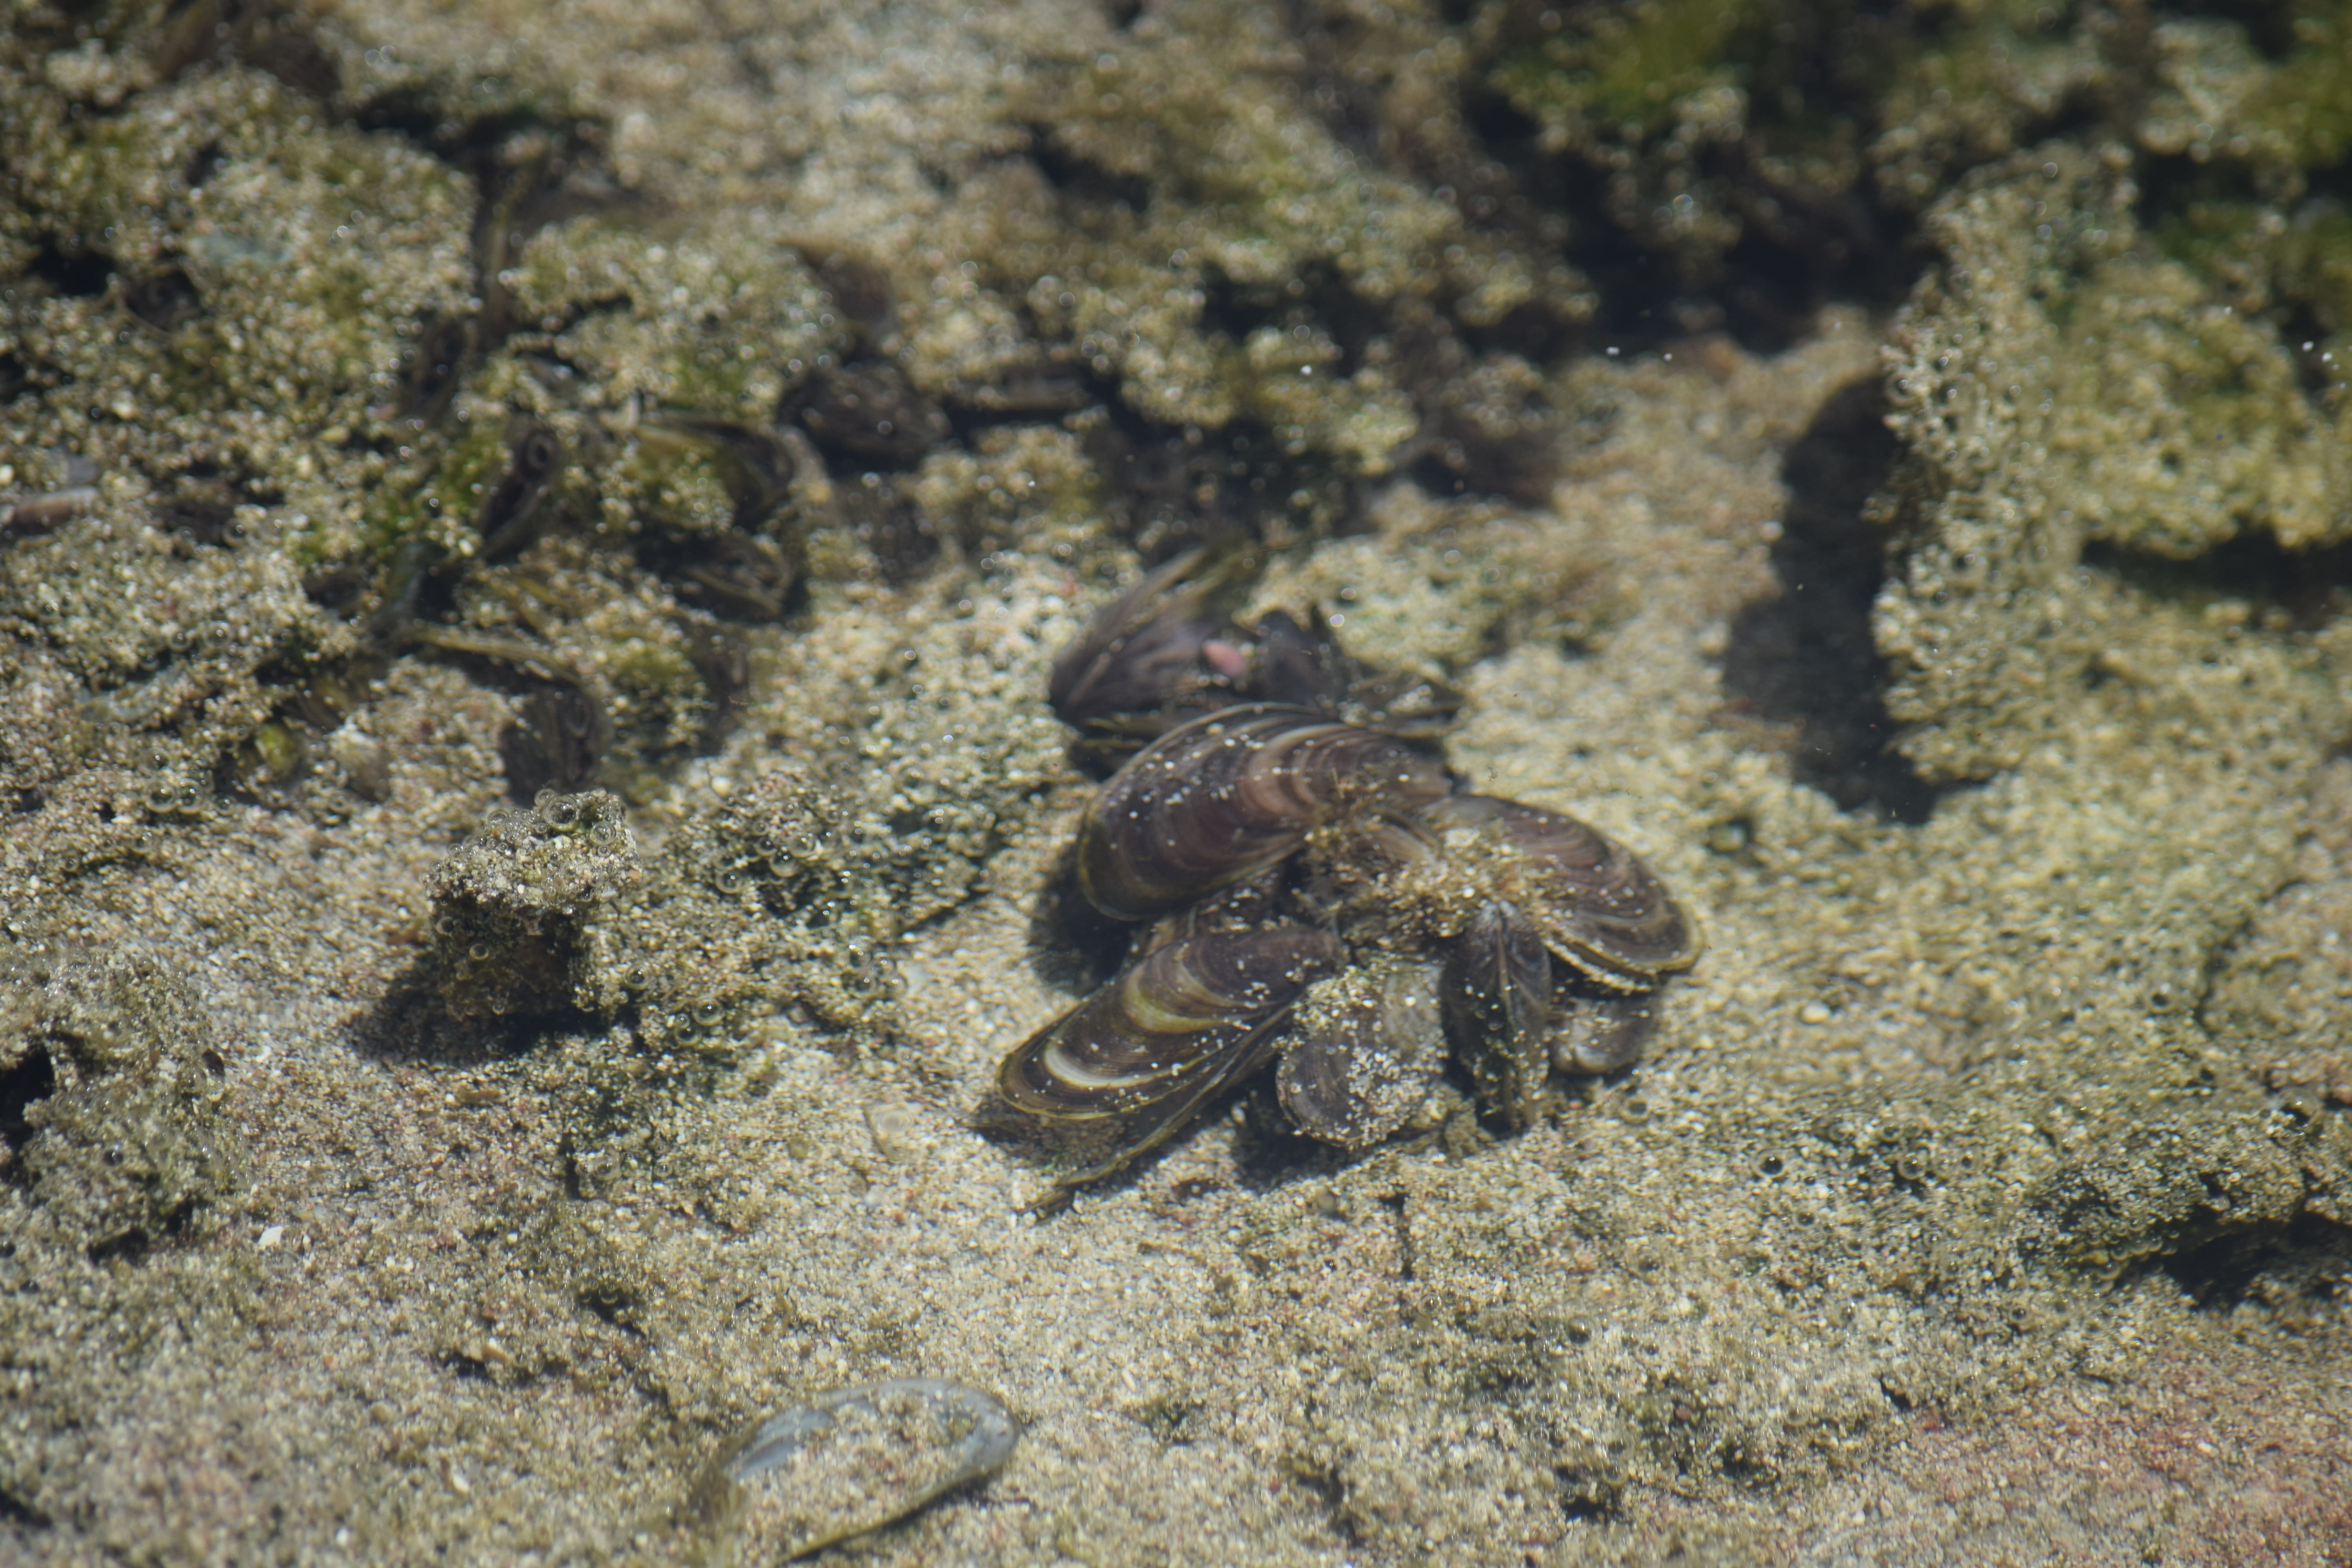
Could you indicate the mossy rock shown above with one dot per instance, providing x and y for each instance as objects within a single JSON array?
[{"x": 119, "y": 1095}]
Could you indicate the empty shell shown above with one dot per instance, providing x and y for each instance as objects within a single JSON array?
[{"x": 848, "y": 1462}]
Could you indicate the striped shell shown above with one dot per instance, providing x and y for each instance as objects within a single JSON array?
[
  {"x": 1225, "y": 796},
  {"x": 1192, "y": 1017},
  {"x": 1141, "y": 656},
  {"x": 1597, "y": 907},
  {"x": 1498, "y": 1005}
]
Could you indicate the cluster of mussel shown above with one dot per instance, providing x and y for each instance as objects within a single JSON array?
[{"x": 1319, "y": 892}]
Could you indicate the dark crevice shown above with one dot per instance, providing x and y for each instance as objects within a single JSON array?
[
  {"x": 2305, "y": 589},
  {"x": 1804, "y": 662},
  {"x": 614, "y": 1305},
  {"x": 2298, "y": 1270},
  {"x": 131, "y": 1246},
  {"x": 32, "y": 1079},
  {"x": 166, "y": 299},
  {"x": 76, "y": 273},
  {"x": 16, "y": 1510},
  {"x": 201, "y": 168},
  {"x": 1083, "y": 180},
  {"x": 1407, "y": 1254},
  {"x": 1178, "y": 487}
]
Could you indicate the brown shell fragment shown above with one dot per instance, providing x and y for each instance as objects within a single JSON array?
[
  {"x": 1600, "y": 910},
  {"x": 1365, "y": 1046},
  {"x": 1129, "y": 1065},
  {"x": 1225, "y": 796},
  {"x": 1499, "y": 989}
]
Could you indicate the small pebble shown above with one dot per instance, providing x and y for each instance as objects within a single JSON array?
[
  {"x": 892, "y": 1128},
  {"x": 1814, "y": 1012},
  {"x": 849, "y": 1462}
]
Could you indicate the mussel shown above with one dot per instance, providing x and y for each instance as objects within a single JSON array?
[
  {"x": 1364, "y": 1047},
  {"x": 1498, "y": 1003},
  {"x": 1322, "y": 899},
  {"x": 1171, "y": 649},
  {"x": 869, "y": 409},
  {"x": 1228, "y": 794},
  {"x": 1192, "y": 1017},
  {"x": 1147, "y": 660},
  {"x": 1597, "y": 907}
]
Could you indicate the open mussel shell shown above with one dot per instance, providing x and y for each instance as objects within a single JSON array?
[
  {"x": 1363, "y": 1048},
  {"x": 1129, "y": 1065},
  {"x": 1224, "y": 796},
  {"x": 1599, "y": 908},
  {"x": 1499, "y": 1006},
  {"x": 1144, "y": 656}
]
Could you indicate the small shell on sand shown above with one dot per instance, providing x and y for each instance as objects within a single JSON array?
[{"x": 846, "y": 1463}]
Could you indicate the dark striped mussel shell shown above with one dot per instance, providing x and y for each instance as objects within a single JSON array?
[
  {"x": 1190, "y": 1018},
  {"x": 1146, "y": 662},
  {"x": 1318, "y": 895},
  {"x": 1225, "y": 796},
  {"x": 1498, "y": 1007},
  {"x": 1597, "y": 907}
]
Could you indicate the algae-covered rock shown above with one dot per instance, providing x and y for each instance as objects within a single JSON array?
[
  {"x": 2178, "y": 424},
  {"x": 913, "y": 765},
  {"x": 219, "y": 246},
  {"x": 115, "y": 1109},
  {"x": 2053, "y": 385},
  {"x": 605, "y": 298},
  {"x": 2165, "y": 1190},
  {"x": 512, "y": 908},
  {"x": 1951, "y": 1151}
]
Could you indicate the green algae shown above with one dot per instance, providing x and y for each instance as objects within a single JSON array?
[
  {"x": 2053, "y": 389},
  {"x": 720, "y": 320}
]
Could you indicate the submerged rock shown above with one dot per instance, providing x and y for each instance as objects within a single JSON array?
[
  {"x": 111, "y": 1094},
  {"x": 510, "y": 907}
]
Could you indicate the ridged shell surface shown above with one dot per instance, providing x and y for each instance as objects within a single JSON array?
[
  {"x": 1600, "y": 910},
  {"x": 1142, "y": 652},
  {"x": 1225, "y": 796},
  {"x": 1498, "y": 987},
  {"x": 1185, "y": 1014}
]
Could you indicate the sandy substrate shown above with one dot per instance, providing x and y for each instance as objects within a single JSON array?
[{"x": 1983, "y": 1198}]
